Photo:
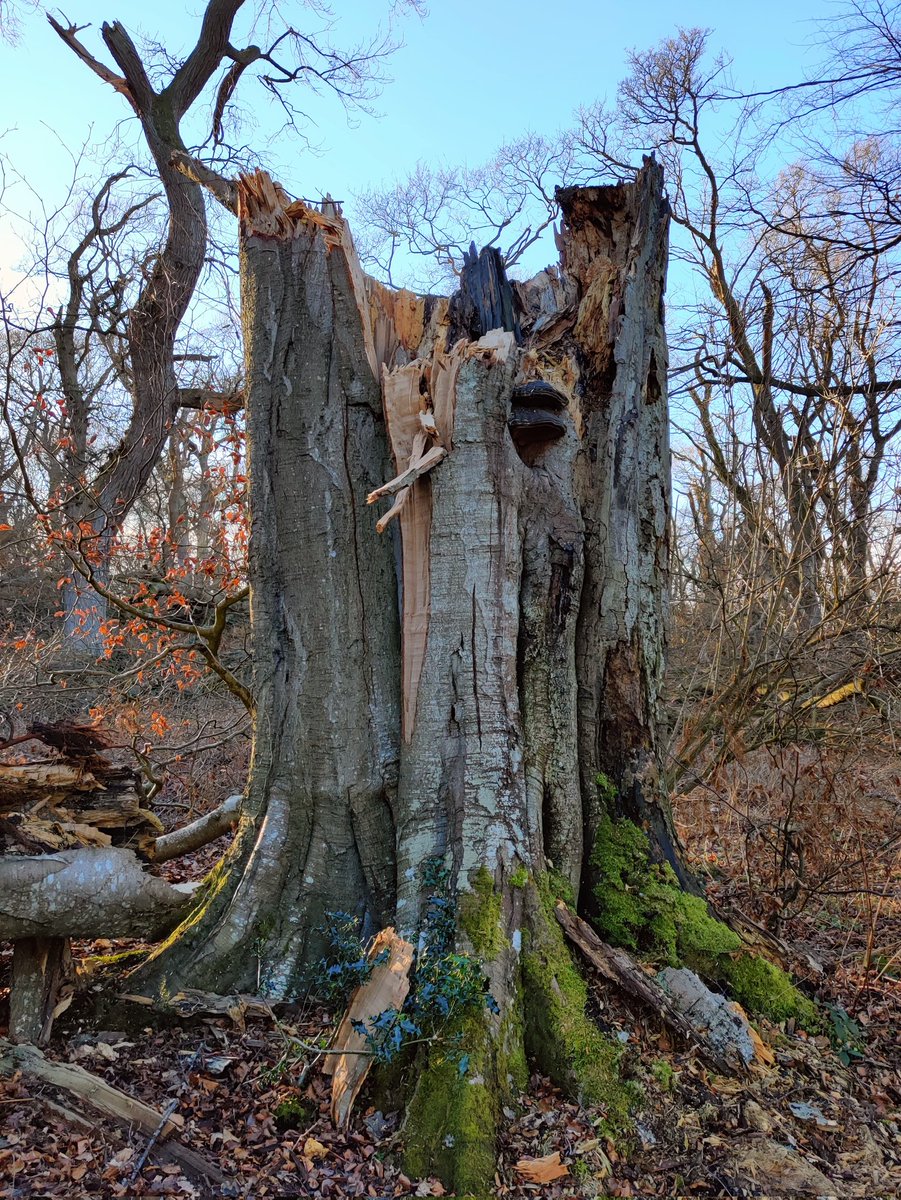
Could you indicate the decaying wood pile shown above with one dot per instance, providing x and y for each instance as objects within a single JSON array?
[
  {"x": 76, "y": 835},
  {"x": 71, "y": 796}
]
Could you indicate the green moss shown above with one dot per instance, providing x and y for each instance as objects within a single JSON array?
[
  {"x": 452, "y": 1118},
  {"x": 293, "y": 1113},
  {"x": 109, "y": 964},
  {"x": 559, "y": 887},
  {"x": 480, "y": 916},
  {"x": 519, "y": 878},
  {"x": 205, "y": 895},
  {"x": 663, "y": 1072},
  {"x": 698, "y": 934},
  {"x": 561, "y": 1038},
  {"x": 607, "y": 789},
  {"x": 764, "y": 988},
  {"x": 642, "y": 907}
]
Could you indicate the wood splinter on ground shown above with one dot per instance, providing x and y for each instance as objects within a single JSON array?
[{"x": 386, "y": 988}]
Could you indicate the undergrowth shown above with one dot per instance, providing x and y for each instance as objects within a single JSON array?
[{"x": 446, "y": 985}]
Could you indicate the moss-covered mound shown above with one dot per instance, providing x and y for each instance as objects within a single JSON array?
[{"x": 642, "y": 907}]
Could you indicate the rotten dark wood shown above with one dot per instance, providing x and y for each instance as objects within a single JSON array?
[{"x": 485, "y": 300}]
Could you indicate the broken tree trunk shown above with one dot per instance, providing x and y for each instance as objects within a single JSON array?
[
  {"x": 619, "y": 968},
  {"x": 89, "y": 893},
  {"x": 436, "y": 701},
  {"x": 77, "y": 798}
]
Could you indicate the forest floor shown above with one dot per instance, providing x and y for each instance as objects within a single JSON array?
[{"x": 823, "y": 1118}]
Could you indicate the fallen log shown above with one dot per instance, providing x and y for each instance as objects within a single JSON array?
[
  {"x": 50, "y": 898},
  {"x": 88, "y": 893},
  {"x": 198, "y": 833},
  {"x": 112, "y": 1102},
  {"x": 619, "y": 968}
]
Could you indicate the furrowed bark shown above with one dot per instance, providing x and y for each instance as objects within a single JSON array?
[
  {"x": 614, "y": 245},
  {"x": 316, "y": 831},
  {"x": 526, "y": 573}
]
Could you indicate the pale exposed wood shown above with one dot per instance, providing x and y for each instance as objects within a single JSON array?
[
  {"x": 405, "y": 326},
  {"x": 94, "y": 1091},
  {"x": 386, "y": 988},
  {"x": 69, "y": 801},
  {"x": 199, "y": 833},
  {"x": 619, "y": 968},
  {"x": 58, "y": 835},
  {"x": 394, "y": 511},
  {"x": 542, "y": 1170},
  {"x": 85, "y": 893},
  {"x": 445, "y": 368},
  {"x": 415, "y": 471},
  {"x": 47, "y": 781},
  {"x": 402, "y": 398}
]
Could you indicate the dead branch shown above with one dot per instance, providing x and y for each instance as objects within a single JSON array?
[
  {"x": 619, "y": 968},
  {"x": 110, "y": 1101},
  {"x": 199, "y": 833}
]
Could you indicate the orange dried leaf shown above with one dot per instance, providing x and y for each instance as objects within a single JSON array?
[{"x": 542, "y": 1170}]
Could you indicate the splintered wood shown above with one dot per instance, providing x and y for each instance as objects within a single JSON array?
[
  {"x": 405, "y": 337},
  {"x": 386, "y": 988},
  {"x": 77, "y": 798},
  {"x": 419, "y": 410}
]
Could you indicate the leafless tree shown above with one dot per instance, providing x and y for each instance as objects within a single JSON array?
[{"x": 120, "y": 322}]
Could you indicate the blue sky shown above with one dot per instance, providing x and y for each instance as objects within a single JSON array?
[{"x": 471, "y": 74}]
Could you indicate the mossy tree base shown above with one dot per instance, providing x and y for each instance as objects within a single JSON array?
[
  {"x": 641, "y": 907},
  {"x": 453, "y": 1116}
]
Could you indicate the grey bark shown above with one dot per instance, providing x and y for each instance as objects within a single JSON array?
[
  {"x": 317, "y": 828},
  {"x": 39, "y": 967},
  {"x": 85, "y": 893},
  {"x": 198, "y": 833}
]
